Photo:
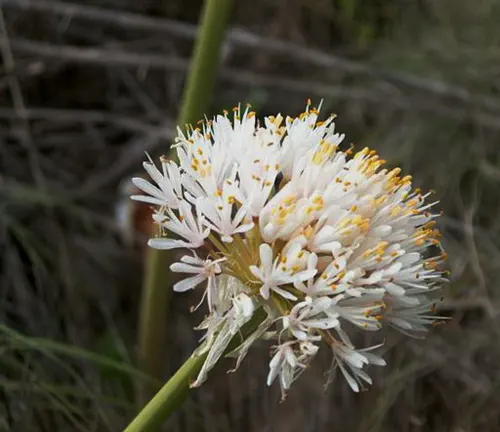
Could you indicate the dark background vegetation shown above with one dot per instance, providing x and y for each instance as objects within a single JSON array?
[{"x": 86, "y": 87}]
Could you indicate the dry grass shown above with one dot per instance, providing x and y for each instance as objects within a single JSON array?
[{"x": 84, "y": 91}]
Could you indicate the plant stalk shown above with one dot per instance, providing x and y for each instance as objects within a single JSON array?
[
  {"x": 174, "y": 392},
  {"x": 168, "y": 399},
  {"x": 196, "y": 100}
]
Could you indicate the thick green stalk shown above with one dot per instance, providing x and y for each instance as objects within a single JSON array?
[
  {"x": 198, "y": 92},
  {"x": 168, "y": 399},
  {"x": 196, "y": 100},
  {"x": 174, "y": 392}
]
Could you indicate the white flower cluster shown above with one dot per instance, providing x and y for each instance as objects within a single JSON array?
[{"x": 279, "y": 220}]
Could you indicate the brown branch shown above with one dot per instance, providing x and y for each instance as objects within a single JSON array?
[
  {"x": 134, "y": 150},
  {"x": 115, "y": 57},
  {"x": 79, "y": 116},
  {"x": 108, "y": 57}
]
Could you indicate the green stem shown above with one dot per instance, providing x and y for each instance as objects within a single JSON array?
[
  {"x": 172, "y": 394},
  {"x": 196, "y": 101},
  {"x": 153, "y": 321},
  {"x": 168, "y": 399},
  {"x": 198, "y": 93}
]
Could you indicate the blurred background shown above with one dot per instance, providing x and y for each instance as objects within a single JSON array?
[{"x": 87, "y": 87}]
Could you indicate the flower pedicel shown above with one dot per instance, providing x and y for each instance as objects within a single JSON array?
[{"x": 277, "y": 218}]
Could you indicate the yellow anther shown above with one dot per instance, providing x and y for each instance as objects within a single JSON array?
[
  {"x": 341, "y": 275},
  {"x": 393, "y": 173},
  {"x": 308, "y": 232},
  {"x": 361, "y": 153},
  {"x": 318, "y": 201},
  {"x": 383, "y": 244},
  {"x": 396, "y": 211},
  {"x": 283, "y": 213}
]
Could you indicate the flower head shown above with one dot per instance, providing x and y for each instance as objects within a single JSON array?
[{"x": 324, "y": 241}]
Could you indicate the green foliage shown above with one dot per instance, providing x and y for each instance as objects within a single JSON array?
[{"x": 50, "y": 372}]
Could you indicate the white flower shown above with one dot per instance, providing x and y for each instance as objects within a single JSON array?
[
  {"x": 411, "y": 319},
  {"x": 289, "y": 361},
  {"x": 291, "y": 267},
  {"x": 257, "y": 174},
  {"x": 285, "y": 364},
  {"x": 309, "y": 315},
  {"x": 227, "y": 327},
  {"x": 310, "y": 242},
  {"x": 351, "y": 363},
  {"x": 185, "y": 225},
  {"x": 206, "y": 165},
  {"x": 219, "y": 213},
  {"x": 202, "y": 269},
  {"x": 364, "y": 311},
  {"x": 168, "y": 189}
]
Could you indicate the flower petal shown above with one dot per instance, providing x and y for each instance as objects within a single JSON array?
[{"x": 189, "y": 283}]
